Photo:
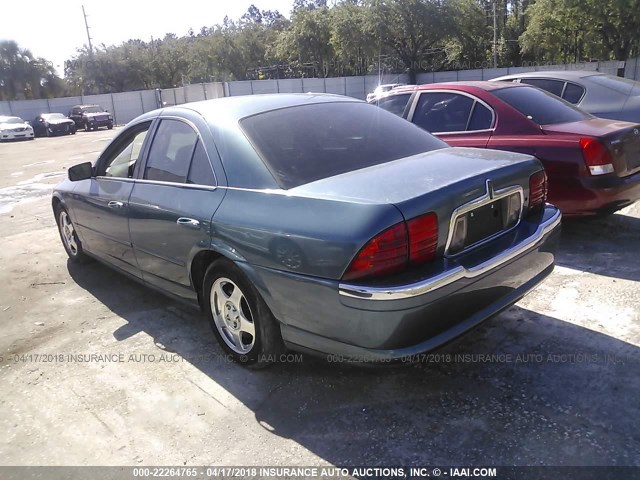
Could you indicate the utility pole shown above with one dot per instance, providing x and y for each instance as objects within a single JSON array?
[
  {"x": 88, "y": 35},
  {"x": 495, "y": 36}
]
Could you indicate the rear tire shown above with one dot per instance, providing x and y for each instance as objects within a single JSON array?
[
  {"x": 241, "y": 321},
  {"x": 69, "y": 237}
]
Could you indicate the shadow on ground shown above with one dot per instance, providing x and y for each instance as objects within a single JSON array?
[
  {"x": 605, "y": 246},
  {"x": 552, "y": 394}
]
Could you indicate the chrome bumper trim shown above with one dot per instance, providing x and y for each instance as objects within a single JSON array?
[{"x": 453, "y": 275}]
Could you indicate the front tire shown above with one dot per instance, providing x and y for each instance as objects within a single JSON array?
[
  {"x": 241, "y": 320},
  {"x": 69, "y": 237}
]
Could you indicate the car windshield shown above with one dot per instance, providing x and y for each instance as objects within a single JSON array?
[
  {"x": 94, "y": 109},
  {"x": 305, "y": 143},
  {"x": 541, "y": 107},
  {"x": 621, "y": 85},
  {"x": 53, "y": 116},
  {"x": 11, "y": 120}
]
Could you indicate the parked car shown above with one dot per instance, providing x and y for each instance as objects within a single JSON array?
[
  {"x": 600, "y": 94},
  {"x": 315, "y": 222},
  {"x": 50, "y": 124},
  {"x": 14, "y": 128},
  {"x": 91, "y": 117},
  {"x": 593, "y": 163},
  {"x": 380, "y": 89}
]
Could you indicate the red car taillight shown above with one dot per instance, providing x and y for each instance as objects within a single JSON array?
[
  {"x": 392, "y": 250},
  {"x": 537, "y": 190},
  {"x": 423, "y": 238},
  {"x": 596, "y": 156}
]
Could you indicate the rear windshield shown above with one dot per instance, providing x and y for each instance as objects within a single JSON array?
[
  {"x": 542, "y": 107},
  {"x": 305, "y": 143}
]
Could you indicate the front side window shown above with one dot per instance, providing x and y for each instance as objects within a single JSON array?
[
  {"x": 122, "y": 160},
  {"x": 394, "y": 103},
  {"x": 171, "y": 151}
]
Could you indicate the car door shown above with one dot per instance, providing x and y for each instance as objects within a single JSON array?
[
  {"x": 172, "y": 204},
  {"x": 101, "y": 204},
  {"x": 458, "y": 118}
]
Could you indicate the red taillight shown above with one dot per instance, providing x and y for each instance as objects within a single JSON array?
[
  {"x": 537, "y": 190},
  {"x": 414, "y": 241},
  {"x": 423, "y": 238},
  {"x": 596, "y": 156},
  {"x": 384, "y": 253}
]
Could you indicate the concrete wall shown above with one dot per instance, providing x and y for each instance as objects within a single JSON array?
[{"x": 124, "y": 106}]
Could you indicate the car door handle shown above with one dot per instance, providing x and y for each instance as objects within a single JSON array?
[
  {"x": 188, "y": 222},
  {"x": 115, "y": 204}
]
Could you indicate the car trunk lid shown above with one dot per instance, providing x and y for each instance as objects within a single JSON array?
[
  {"x": 440, "y": 181},
  {"x": 622, "y": 139}
]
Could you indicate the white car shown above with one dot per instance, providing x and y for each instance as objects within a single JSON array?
[
  {"x": 13, "y": 128},
  {"x": 380, "y": 89}
]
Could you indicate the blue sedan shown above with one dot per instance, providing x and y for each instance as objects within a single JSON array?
[{"x": 317, "y": 223}]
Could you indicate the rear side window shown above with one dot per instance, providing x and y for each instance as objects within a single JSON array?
[
  {"x": 171, "y": 152},
  {"x": 443, "y": 112},
  {"x": 481, "y": 118},
  {"x": 573, "y": 93},
  {"x": 539, "y": 106},
  {"x": 305, "y": 143},
  {"x": 552, "y": 86},
  {"x": 200, "y": 172},
  {"x": 394, "y": 103}
]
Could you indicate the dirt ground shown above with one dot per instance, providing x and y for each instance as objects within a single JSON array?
[{"x": 98, "y": 370}]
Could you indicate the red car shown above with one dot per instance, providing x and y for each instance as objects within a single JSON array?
[{"x": 593, "y": 164}]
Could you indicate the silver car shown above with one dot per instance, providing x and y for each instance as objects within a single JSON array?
[{"x": 598, "y": 93}]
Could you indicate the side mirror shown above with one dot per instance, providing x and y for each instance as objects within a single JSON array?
[
  {"x": 41, "y": 119},
  {"x": 82, "y": 171}
]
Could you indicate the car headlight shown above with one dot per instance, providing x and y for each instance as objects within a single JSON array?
[{"x": 110, "y": 117}]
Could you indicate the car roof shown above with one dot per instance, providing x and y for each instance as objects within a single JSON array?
[
  {"x": 87, "y": 105},
  {"x": 236, "y": 108},
  {"x": 559, "y": 74},
  {"x": 461, "y": 85}
]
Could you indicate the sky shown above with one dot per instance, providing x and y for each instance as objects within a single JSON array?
[{"x": 55, "y": 29}]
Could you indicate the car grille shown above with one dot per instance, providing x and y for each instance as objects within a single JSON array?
[
  {"x": 21, "y": 129},
  {"x": 102, "y": 118}
]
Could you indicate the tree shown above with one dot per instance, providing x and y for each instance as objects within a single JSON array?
[
  {"x": 23, "y": 76},
  {"x": 414, "y": 30}
]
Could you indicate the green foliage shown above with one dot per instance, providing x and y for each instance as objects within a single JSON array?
[{"x": 23, "y": 76}]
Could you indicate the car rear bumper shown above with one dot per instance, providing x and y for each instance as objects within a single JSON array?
[
  {"x": 364, "y": 323},
  {"x": 594, "y": 195}
]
